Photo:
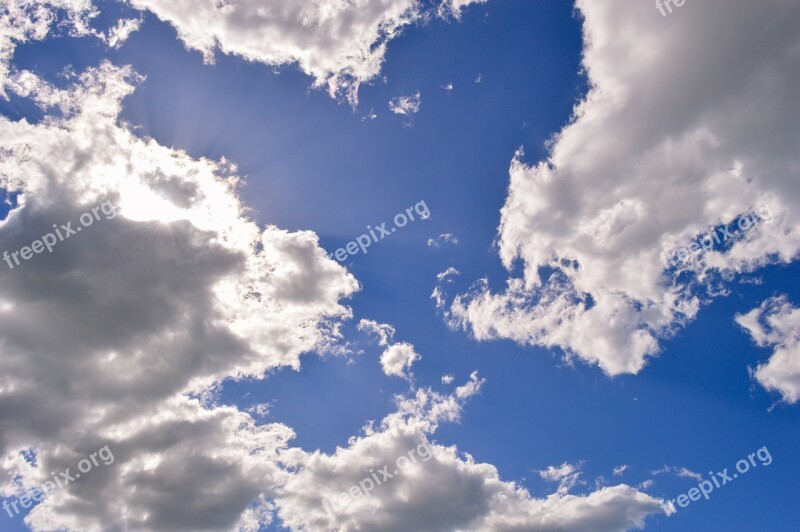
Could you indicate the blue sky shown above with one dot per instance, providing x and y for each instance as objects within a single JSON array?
[{"x": 570, "y": 386}]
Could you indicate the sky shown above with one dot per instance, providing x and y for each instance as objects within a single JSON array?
[{"x": 391, "y": 265}]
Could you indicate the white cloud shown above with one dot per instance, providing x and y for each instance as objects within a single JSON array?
[
  {"x": 384, "y": 331},
  {"x": 447, "y": 87},
  {"x": 444, "y": 238},
  {"x": 455, "y": 7},
  {"x": 26, "y": 20},
  {"x": 161, "y": 303},
  {"x": 439, "y": 295},
  {"x": 451, "y": 271},
  {"x": 620, "y": 469},
  {"x": 678, "y": 471},
  {"x": 451, "y": 490},
  {"x": 397, "y": 359},
  {"x": 776, "y": 324},
  {"x": 448, "y": 379},
  {"x": 117, "y": 35},
  {"x": 566, "y": 475},
  {"x": 686, "y": 125},
  {"x": 405, "y": 105},
  {"x": 340, "y": 44}
]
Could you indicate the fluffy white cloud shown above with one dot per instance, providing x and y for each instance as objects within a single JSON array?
[
  {"x": 447, "y": 491},
  {"x": 116, "y": 336},
  {"x": 34, "y": 20},
  {"x": 405, "y": 105},
  {"x": 29, "y": 20},
  {"x": 397, "y": 359},
  {"x": 341, "y": 44},
  {"x": 689, "y": 123},
  {"x": 776, "y": 324}
]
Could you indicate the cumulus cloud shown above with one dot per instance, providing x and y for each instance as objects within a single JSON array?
[
  {"x": 448, "y": 379},
  {"x": 686, "y": 127},
  {"x": 776, "y": 324},
  {"x": 340, "y": 44},
  {"x": 25, "y": 20},
  {"x": 450, "y": 489},
  {"x": 405, "y": 105},
  {"x": 397, "y": 359},
  {"x": 118, "y": 336}
]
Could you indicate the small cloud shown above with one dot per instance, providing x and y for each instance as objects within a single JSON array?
[
  {"x": 479, "y": 78},
  {"x": 678, "y": 471},
  {"x": 567, "y": 475},
  {"x": 646, "y": 484},
  {"x": 444, "y": 238},
  {"x": 447, "y": 273},
  {"x": 372, "y": 115},
  {"x": 397, "y": 360},
  {"x": 405, "y": 105},
  {"x": 383, "y": 331},
  {"x": 620, "y": 469},
  {"x": 448, "y": 379},
  {"x": 117, "y": 35},
  {"x": 260, "y": 410},
  {"x": 448, "y": 87},
  {"x": 438, "y": 297}
]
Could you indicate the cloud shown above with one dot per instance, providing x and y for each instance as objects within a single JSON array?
[
  {"x": 566, "y": 475},
  {"x": 451, "y": 490},
  {"x": 384, "y": 331},
  {"x": 439, "y": 295},
  {"x": 448, "y": 379},
  {"x": 675, "y": 135},
  {"x": 22, "y": 21},
  {"x": 340, "y": 44},
  {"x": 444, "y": 238},
  {"x": 397, "y": 359},
  {"x": 117, "y": 35},
  {"x": 620, "y": 469},
  {"x": 447, "y": 87},
  {"x": 776, "y": 324},
  {"x": 678, "y": 471},
  {"x": 405, "y": 105},
  {"x": 120, "y": 335},
  {"x": 451, "y": 271},
  {"x": 455, "y": 7}
]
